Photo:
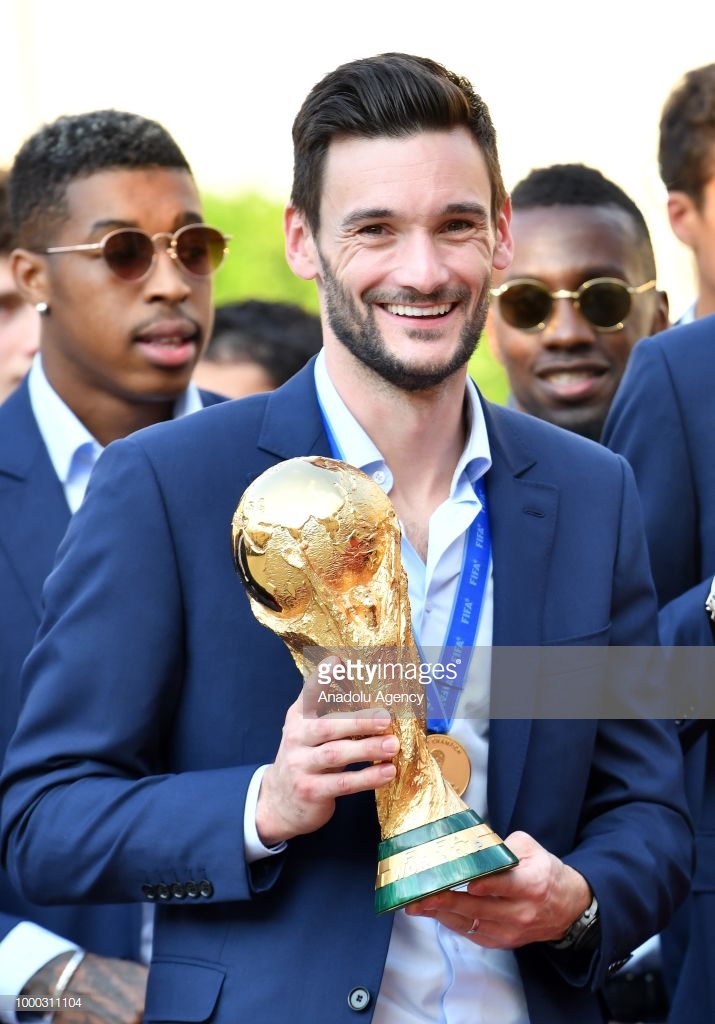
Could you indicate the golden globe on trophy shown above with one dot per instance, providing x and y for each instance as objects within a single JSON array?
[{"x": 317, "y": 545}]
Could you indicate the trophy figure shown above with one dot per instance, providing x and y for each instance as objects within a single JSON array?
[{"x": 317, "y": 545}]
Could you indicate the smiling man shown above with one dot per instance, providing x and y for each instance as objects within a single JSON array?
[
  {"x": 580, "y": 292},
  {"x": 113, "y": 255},
  {"x": 192, "y": 775}
]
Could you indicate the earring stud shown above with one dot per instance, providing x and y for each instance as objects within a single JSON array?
[{"x": 42, "y": 308}]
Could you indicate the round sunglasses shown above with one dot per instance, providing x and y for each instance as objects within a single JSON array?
[
  {"x": 604, "y": 302},
  {"x": 129, "y": 253}
]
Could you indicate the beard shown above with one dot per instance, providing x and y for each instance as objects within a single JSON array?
[{"x": 362, "y": 337}]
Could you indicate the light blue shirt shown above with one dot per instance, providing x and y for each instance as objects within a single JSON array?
[{"x": 432, "y": 975}]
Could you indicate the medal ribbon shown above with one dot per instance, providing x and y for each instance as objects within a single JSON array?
[{"x": 443, "y": 694}]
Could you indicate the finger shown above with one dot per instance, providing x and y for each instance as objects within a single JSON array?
[
  {"x": 315, "y": 684},
  {"x": 346, "y": 727},
  {"x": 339, "y": 754},
  {"x": 324, "y": 786}
]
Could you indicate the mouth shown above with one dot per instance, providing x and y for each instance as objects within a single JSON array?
[
  {"x": 573, "y": 382},
  {"x": 169, "y": 343},
  {"x": 432, "y": 312}
]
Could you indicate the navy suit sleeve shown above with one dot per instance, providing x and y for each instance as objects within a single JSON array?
[
  {"x": 650, "y": 425},
  {"x": 635, "y": 801},
  {"x": 90, "y": 812}
]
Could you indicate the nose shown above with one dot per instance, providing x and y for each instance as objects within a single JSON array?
[
  {"x": 166, "y": 280},
  {"x": 422, "y": 265},
  {"x": 567, "y": 327}
]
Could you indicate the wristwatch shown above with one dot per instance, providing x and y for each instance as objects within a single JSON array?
[
  {"x": 710, "y": 607},
  {"x": 584, "y": 934}
]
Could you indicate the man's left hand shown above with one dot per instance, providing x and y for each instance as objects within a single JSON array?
[{"x": 536, "y": 901}]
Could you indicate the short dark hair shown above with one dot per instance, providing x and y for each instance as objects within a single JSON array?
[
  {"x": 279, "y": 336},
  {"x": 7, "y": 235},
  {"x": 579, "y": 185},
  {"x": 686, "y": 150},
  {"x": 394, "y": 95},
  {"x": 77, "y": 146}
]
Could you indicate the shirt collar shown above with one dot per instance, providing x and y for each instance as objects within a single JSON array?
[
  {"x": 63, "y": 433},
  {"x": 357, "y": 448},
  {"x": 688, "y": 316}
]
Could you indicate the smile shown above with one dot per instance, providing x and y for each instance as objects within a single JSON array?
[
  {"x": 421, "y": 311},
  {"x": 572, "y": 376}
]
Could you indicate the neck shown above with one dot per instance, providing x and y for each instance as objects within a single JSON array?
[
  {"x": 421, "y": 435},
  {"x": 705, "y": 303},
  {"x": 109, "y": 419}
]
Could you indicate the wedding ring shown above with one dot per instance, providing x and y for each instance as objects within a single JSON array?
[{"x": 475, "y": 925}]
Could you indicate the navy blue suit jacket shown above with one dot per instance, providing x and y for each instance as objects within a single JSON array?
[
  {"x": 33, "y": 518},
  {"x": 134, "y": 779},
  {"x": 663, "y": 421}
]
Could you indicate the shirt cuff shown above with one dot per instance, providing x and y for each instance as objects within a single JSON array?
[
  {"x": 23, "y": 952},
  {"x": 253, "y": 847}
]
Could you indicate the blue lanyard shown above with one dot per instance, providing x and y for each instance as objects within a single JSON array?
[{"x": 443, "y": 694}]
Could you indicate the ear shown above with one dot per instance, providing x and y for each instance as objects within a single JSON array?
[
  {"x": 682, "y": 215},
  {"x": 492, "y": 340},
  {"x": 661, "y": 317},
  {"x": 504, "y": 247},
  {"x": 30, "y": 272},
  {"x": 300, "y": 247}
]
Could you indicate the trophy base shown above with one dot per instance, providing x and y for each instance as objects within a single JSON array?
[{"x": 440, "y": 855}]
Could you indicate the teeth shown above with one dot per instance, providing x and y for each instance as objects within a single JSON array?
[
  {"x": 419, "y": 310},
  {"x": 570, "y": 377}
]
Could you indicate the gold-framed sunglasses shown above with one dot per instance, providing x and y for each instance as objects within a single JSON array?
[
  {"x": 129, "y": 253},
  {"x": 605, "y": 302}
]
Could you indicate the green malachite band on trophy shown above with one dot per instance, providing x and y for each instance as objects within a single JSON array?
[
  {"x": 432, "y": 830},
  {"x": 488, "y": 855}
]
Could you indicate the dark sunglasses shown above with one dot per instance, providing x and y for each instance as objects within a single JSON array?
[
  {"x": 605, "y": 302},
  {"x": 129, "y": 253}
]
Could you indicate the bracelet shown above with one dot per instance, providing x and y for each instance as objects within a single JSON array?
[{"x": 68, "y": 972}]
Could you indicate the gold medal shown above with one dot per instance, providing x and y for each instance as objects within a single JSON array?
[{"x": 452, "y": 759}]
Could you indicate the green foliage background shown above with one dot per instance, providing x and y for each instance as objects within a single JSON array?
[{"x": 256, "y": 268}]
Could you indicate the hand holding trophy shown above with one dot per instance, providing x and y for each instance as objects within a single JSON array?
[{"x": 317, "y": 545}]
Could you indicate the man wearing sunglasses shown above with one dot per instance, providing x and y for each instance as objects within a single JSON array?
[
  {"x": 578, "y": 295},
  {"x": 113, "y": 254},
  {"x": 172, "y": 758}
]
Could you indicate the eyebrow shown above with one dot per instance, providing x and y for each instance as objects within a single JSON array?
[
  {"x": 112, "y": 223},
  {"x": 382, "y": 212}
]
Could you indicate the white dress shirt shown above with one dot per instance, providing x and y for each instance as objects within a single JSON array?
[
  {"x": 73, "y": 452},
  {"x": 432, "y": 975}
]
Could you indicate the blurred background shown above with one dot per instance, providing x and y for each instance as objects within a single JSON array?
[{"x": 564, "y": 83}]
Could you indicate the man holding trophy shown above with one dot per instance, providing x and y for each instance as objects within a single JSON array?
[{"x": 166, "y": 750}]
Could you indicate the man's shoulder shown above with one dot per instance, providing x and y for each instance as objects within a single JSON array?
[
  {"x": 534, "y": 441},
  {"x": 683, "y": 346}
]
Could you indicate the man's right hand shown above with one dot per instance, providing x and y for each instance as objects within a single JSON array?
[
  {"x": 299, "y": 790},
  {"x": 111, "y": 991}
]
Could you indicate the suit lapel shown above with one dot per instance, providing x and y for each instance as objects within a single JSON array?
[
  {"x": 33, "y": 510},
  {"x": 283, "y": 435},
  {"x": 523, "y": 514}
]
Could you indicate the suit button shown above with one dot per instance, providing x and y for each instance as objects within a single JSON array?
[
  {"x": 149, "y": 892},
  {"x": 359, "y": 999},
  {"x": 205, "y": 888},
  {"x": 163, "y": 892},
  {"x": 178, "y": 891},
  {"x": 192, "y": 890}
]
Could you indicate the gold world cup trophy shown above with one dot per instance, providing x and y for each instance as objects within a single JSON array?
[{"x": 317, "y": 545}]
